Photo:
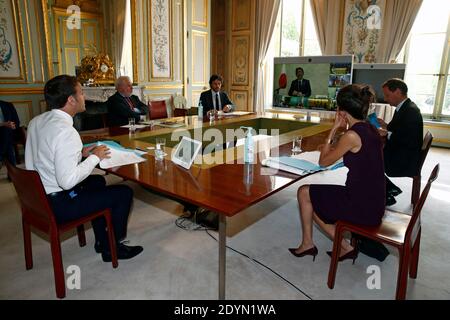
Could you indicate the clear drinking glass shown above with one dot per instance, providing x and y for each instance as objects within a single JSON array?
[
  {"x": 297, "y": 144},
  {"x": 160, "y": 145},
  {"x": 131, "y": 123}
]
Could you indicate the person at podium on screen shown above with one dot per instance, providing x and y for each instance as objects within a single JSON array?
[
  {"x": 300, "y": 87},
  {"x": 54, "y": 149},
  {"x": 362, "y": 199},
  {"x": 123, "y": 105},
  {"x": 214, "y": 99}
]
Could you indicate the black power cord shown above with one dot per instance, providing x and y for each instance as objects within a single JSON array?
[
  {"x": 263, "y": 265},
  {"x": 187, "y": 222}
]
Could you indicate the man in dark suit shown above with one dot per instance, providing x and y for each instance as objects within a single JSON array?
[
  {"x": 404, "y": 136},
  {"x": 215, "y": 99},
  {"x": 9, "y": 124},
  {"x": 300, "y": 87},
  {"x": 123, "y": 105}
]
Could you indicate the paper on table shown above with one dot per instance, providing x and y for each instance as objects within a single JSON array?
[
  {"x": 233, "y": 113},
  {"x": 300, "y": 164},
  {"x": 136, "y": 126},
  {"x": 119, "y": 156},
  {"x": 170, "y": 124}
]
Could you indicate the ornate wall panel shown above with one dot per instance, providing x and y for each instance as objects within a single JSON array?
[
  {"x": 240, "y": 99},
  {"x": 240, "y": 60},
  {"x": 161, "y": 39},
  {"x": 240, "y": 15},
  {"x": 360, "y": 39},
  {"x": 12, "y": 69}
]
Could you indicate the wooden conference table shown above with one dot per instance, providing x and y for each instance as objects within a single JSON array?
[{"x": 225, "y": 188}]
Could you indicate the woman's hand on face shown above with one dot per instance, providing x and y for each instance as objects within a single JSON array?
[{"x": 340, "y": 120}]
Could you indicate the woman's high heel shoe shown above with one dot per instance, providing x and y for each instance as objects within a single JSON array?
[
  {"x": 349, "y": 255},
  {"x": 310, "y": 252}
]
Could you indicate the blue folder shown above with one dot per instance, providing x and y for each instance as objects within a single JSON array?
[
  {"x": 373, "y": 120},
  {"x": 306, "y": 165}
]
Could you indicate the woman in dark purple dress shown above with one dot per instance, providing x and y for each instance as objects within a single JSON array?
[{"x": 362, "y": 199}]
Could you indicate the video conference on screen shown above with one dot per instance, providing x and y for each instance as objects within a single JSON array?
[
  {"x": 322, "y": 78},
  {"x": 325, "y": 76}
]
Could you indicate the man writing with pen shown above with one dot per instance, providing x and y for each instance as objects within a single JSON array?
[{"x": 54, "y": 149}]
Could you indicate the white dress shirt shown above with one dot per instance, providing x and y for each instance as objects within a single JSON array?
[
  {"x": 397, "y": 109},
  {"x": 54, "y": 149}
]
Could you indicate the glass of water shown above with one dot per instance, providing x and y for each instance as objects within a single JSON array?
[
  {"x": 131, "y": 123},
  {"x": 297, "y": 144},
  {"x": 160, "y": 145}
]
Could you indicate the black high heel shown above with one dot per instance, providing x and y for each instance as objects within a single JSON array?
[
  {"x": 310, "y": 252},
  {"x": 349, "y": 255}
]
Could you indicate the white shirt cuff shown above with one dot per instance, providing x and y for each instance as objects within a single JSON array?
[{"x": 389, "y": 134}]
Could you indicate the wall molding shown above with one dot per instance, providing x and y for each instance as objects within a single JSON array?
[{"x": 21, "y": 91}]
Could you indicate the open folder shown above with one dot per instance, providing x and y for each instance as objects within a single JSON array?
[
  {"x": 119, "y": 155},
  {"x": 301, "y": 164}
]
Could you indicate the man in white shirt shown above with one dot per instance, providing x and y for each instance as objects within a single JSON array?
[{"x": 54, "y": 149}]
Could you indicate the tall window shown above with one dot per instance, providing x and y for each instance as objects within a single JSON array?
[
  {"x": 126, "y": 63},
  {"x": 294, "y": 35},
  {"x": 427, "y": 58}
]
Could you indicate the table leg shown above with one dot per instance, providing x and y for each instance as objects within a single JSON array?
[{"x": 222, "y": 255}]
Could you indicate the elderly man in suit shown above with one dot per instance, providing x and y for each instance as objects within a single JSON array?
[
  {"x": 123, "y": 105},
  {"x": 404, "y": 136},
  {"x": 9, "y": 124},
  {"x": 215, "y": 99},
  {"x": 300, "y": 87}
]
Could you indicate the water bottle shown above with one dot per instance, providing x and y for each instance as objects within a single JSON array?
[
  {"x": 200, "y": 110},
  {"x": 248, "y": 178},
  {"x": 248, "y": 146}
]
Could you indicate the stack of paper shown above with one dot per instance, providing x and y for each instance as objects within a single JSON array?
[
  {"x": 119, "y": 155},
  {"x": 136, "y": 126},
  {"x": 301, "y": 164},
  {"x": 233, "y": 113}
]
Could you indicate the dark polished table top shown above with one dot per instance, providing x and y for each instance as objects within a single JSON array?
[{"x": 226, "y": 188}]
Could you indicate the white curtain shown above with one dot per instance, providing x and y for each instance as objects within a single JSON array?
[
  {"x": 266, "y": 16},
  {"x": 126, "y": 63},
  {"x": 118, "y": 18},
  {"x": 398, "y": 20},
  {"x": 327, "y": 15}
]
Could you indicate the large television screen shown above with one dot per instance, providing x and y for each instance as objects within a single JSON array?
[
  {"x": 310, "y": 82},
  {"x": 375, "y": 74}
]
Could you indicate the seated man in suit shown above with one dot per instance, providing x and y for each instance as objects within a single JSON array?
[
  {"x": 300, "y": 87},
  {"x": 404, "y": 136},
  {"x": 123, "y": 105},
  {"x": 215, "y": 99},
  {"x": 9, "y": 124}
]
